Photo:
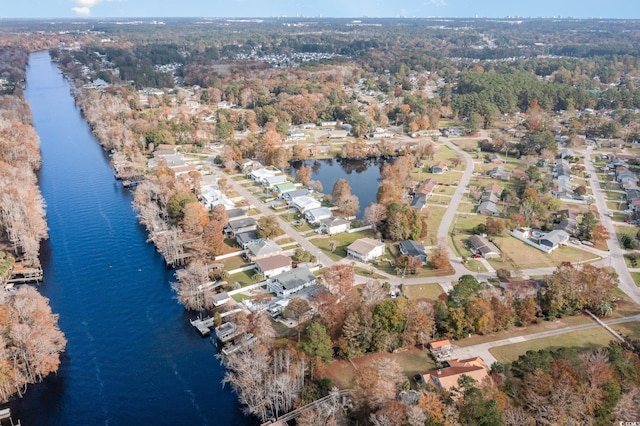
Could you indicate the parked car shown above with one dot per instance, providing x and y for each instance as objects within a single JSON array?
[{"x": 587, "y": 243}]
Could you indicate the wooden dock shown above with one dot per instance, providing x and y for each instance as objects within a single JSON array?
[
  {"x": 21, "y": 274},
  {"x": 203, "y": 325}
]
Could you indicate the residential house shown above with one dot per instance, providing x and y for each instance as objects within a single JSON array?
[
  {"x": 499, "y": 173},
  {"x": 273, "y": 265},
  {"x": 365, "y": 249},
  {"x": 440, "y": 348},
  {"x": 243, "y": 224},
  {"x": 482, "y": 246},
  {"x": 413, "y": 248},
  {"x": 272, "y": 181},
  {"x": 314, "y": 216},
  {"x": 259, "y": 175},
  {"x": 305, "y": 203},
  {"x": 493, "y": 187},
  {"x": 625, "y": 175},
  {"x": 263, "y": 248},
  {"x": 439, "y": 168},
  {"x": 220, "y": 299},
  {"x": 236, "y": 213},
  {"x": 281, "y": 188},
  {"x": 426, "y": 188},
  {"x": 290, "y": 282},
  {"x": 488, "y": 208},
  {"x": 245, "y": 239},
  {"x": 561, "y": 168},
  {"x": 490, "y": 196},
  {"x": 334, "y": 225},
  {"x": 211, "y": 196},
  {"x": 554, "y": 239},
  {"x": 564, "y": 153},
  {"x": 418, "y": 202},
  {"x": 447, "y": 378},
  {"x": 246, "y": 165},
  {"x": 290, "y": 195},
  {"x": 184, "y": 170}
]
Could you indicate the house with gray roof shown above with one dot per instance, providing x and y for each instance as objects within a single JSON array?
[
  {"x": 290, "y": 282},
  {"x": 414, "y": 249},
  {"x": 245, "y": 239},
  {"x": 488, "y": 208},
  {"x": 263, "y": 248},
  {"x": 554, "y": 239},
  {"x": 316, "y": 215},
  {"x": 482, "y": 246},
  {"x": 243, "y": 224},
  {"x": 334, "y": 225}
]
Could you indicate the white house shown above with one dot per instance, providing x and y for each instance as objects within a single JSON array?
[
  {"x": 365, "y": 249},
  {"x": 259, "y": 175},
  {"x": 316, "y": 215},
  {"x": 305, "y": 203},
  {"x": 334, "y": 225},
  {"x": 263, "y": 248},
  {"x": 291, "y": 281},
  {"x": 272, "y": 181},
  {"x": 273, "y": 265}
]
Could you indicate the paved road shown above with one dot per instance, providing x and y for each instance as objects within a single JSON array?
[
  {"x": 616, "y": 258},
  {"x": 482, "y": 349}
]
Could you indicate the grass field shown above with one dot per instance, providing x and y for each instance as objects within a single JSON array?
[
  {"x": 582, "y": 340},
  {"x": 342, "y": 240},
  {"x": 422, "y": 291},
  {"x": 412, "y": 362},
  {"x": 636, "y": 278},
  {"x": 433, "y": 222},
  {"x": 469, "y": 145}
]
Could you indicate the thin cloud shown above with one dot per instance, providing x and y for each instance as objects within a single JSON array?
[
  {"x": 83, "y": 7},
  {"x": 436, "y": 3}
]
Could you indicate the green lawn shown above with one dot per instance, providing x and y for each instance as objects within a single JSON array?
[
  {"x": 519, "y": 255},
  {"x": 343, "y": 240},
  {"x": 422, "y": 291},
  {"x": 475, "y": 266},
  {"x": 434, "y": 217},
  {"x": 636, "y": 277},
  {"x": 582, "y": 340},
  {"x": 468, "y": 145}
]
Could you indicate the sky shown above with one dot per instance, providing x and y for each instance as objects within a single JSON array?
[{"x": 627, "y": 9}]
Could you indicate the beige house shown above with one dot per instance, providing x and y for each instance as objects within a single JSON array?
[{"x": 365, "y": 249}]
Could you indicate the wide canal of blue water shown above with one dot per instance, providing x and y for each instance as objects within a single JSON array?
[{"x": 132, "y": 357}]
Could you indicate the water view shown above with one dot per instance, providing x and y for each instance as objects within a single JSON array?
[
  {"x": 132, "y": 357},
  {"x": 362, "y": 175}
]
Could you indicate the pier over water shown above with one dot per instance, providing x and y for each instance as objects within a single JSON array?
[{"x": 132, "y": 357}]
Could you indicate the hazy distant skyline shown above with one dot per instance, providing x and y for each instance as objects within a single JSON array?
[{"x": 624, "y": 9}]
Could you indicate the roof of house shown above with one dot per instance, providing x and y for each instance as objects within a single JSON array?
[
  {"x": 419, "y": 201},
  {"x": 236, "y": 213},
  {"x": 242, "y": 222},
  {"x": 488, "y": 206},
  {"x": 440, "y": 343},
  {"x": 333, "y": 221},
  {"x": 448, "y": 377},
  {"x": 297, "y": 193},
  {"x": 273, "y": 262},
  {"x": 246, "y": 237},
  {"x": 295, "y": 278},
  {"x": 484, "y": 246},
  {"x": 320, "y": 212},
  {"x": 219, "y": 297},
  {"x": 412, "y": 248},
  {"x": 264, "y": 248},
  {"x": 493, "y": 187},
  {"x": 426, "y": 186},
  {"x": 271, "y": 180},
  {"x": 304, "y": 202},
  {"x": 364, "y": 245},
  {"x": 555, "y": 237},
  {"x": 285, "y": 187},
  {"x": 490, "y": 196}
]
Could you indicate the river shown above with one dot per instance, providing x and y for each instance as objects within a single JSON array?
[{"x": 131, "y": 357}]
